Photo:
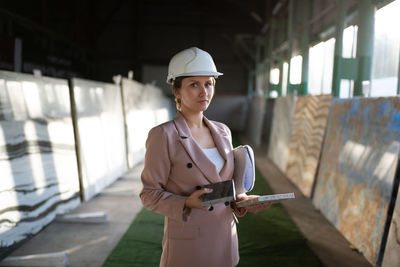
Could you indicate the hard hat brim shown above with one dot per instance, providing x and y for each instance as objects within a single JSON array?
[{"x": 215, "y": 74}]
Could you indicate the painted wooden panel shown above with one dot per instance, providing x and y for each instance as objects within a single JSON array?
[
  {"x": 145, "y": 107},
  {"x": 391, "y": 256},
  {"x": 355, "y": 179},
  {"x": 38, "y": 166},
  {"x": 101, "y": 133},
  {"x": 309, "y": 123},
  {"x": 278, "y": 149}
]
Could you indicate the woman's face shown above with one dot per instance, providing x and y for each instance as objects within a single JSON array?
[{"x": 196, "y": 93}]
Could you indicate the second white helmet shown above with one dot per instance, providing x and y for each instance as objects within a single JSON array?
[{"x": 191, "y": 62}]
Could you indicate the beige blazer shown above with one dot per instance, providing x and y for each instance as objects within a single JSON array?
[{"x": 174, "y": 165}]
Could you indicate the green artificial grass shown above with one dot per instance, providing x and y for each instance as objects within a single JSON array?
[
  {"x": 270, "y": 238},
  {"x": 141, "y": 244},
  {"x": 267, "y": 238}
]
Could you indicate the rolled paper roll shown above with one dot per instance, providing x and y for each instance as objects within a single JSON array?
[{"x": 244, "y": 171}]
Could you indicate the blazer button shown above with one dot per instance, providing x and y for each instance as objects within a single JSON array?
[{"x": 189, "y": 165}]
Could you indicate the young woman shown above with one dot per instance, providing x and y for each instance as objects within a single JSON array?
[{"x": 184, "y": 154}]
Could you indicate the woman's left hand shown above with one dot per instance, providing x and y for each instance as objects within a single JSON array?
[
  {"x": 240, "y": 212},
  {"x": 253, "y": 209},
  {"x": 259, "y": 207}
]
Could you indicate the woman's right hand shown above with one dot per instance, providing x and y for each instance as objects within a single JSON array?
[{"x": 194, "y": 200}]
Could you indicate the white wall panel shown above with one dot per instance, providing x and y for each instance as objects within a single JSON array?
[
  {"x": 145, "y": 107},
  {"x": 101, "y": 133},
  {"x": 38, "y": 166}
]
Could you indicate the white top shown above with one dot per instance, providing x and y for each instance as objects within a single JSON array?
[{"x": 215, "y": 157}]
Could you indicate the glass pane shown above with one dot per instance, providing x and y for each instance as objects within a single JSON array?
[
  {"x": 346, "y": 88},
  {"x": 385, "y": 60},
  {"x": 274, "y": 76},
  {"x": 349, "y": 51},
  {"x": 273, "y": 94},
  {"x": 329, "y": 53},
  {"x": 349, "y": 42},
  {"x": 284, "y": 78},
  {"x": 295, "y": 69},
  {"x": 315, "y": 72},
  {"x": 321, "y": 67}
]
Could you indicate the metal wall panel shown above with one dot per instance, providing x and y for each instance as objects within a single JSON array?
[
  {"x": 309, "y": 125},
  {"x": 255, "y": 120},
  {"x": 231, "y": 110},
  {"x": 101, "y": 133},
  {"x": 355, "y": 179},
  {"x": 38, "y": 166},
  {"x": 278, "y": 149},
  {"x": 145, "y": 107},
  {"x": 267, "y": 124}
]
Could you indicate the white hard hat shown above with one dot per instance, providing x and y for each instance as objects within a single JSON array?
[{"x": 191, "y": 62}]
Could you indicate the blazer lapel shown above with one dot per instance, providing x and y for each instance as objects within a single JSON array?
[{"x": 194, "y": 150}]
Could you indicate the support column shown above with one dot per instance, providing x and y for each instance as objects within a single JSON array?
[
  {"x": 398, "y": 77},
  {"x": 305, "y": 39},
  {"x": 282, "y": 27},
  {"x": 270, "y": 48},
  {"x": 365, "y": 44},
  {"x": 280, "y": 88},
  {"x": 337, "y": 64},
  {"x": 258, "y": 67},
  {"x": 250, "y": 84},
  {"x": 17, "y": 55},
  {"x": 290, "y": 40}
]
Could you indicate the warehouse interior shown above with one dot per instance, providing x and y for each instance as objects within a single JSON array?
[{"x": 312, "y": 85}]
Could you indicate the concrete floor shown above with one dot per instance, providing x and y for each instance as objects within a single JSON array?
[{"x": 90, "y": 244}]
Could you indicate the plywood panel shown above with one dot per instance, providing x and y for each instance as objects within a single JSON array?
[
  {"x": 278, "y": 150},
  {"x": 38, "y": 167},
  {"x": 309, "y": 125},
  {"x": 101, "y": 133},
  {"x": 355, "y": 179}
]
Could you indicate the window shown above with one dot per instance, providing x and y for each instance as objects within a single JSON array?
[
  {"x": 350, "y": 42},
  {"x": 295, "y": 69},
  {"x": 348, "y": 51},
  {"x": 274, "y": 76},
  {"x": 385, "y": 60},
  {"x": 320, "y": 72},
  {"x": 284, "y": 78},
  {"x": 346, "y": 88}
]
